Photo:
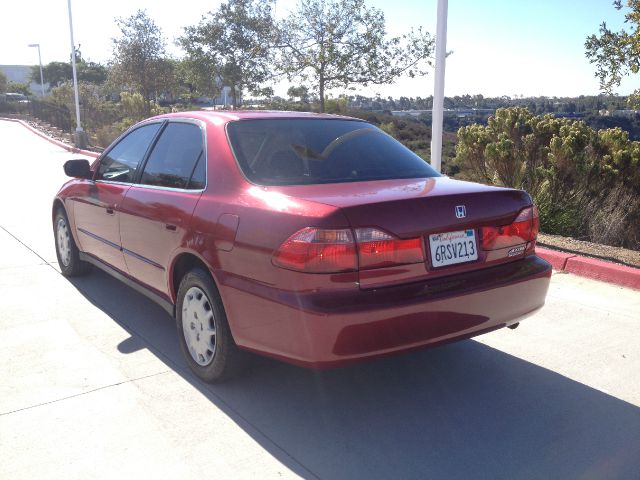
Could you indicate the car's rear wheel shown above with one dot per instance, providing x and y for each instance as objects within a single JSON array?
[
  {"x": 205, "y": 338},
  {"x": 66, "y": 249}
]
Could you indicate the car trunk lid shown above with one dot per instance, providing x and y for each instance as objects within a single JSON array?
[{"x": 418, "y": 208}]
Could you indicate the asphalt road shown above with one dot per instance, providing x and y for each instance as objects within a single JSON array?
[{"x": 92, "y": 384}]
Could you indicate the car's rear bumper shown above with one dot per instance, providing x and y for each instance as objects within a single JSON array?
[{"x": 328, "y": 328}]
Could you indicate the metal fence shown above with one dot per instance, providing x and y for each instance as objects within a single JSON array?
[
  {"x": 13, "y": 108},
  {"x": 56, "y": 115}
]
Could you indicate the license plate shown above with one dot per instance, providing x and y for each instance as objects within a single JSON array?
[{"x": 451, "y": 248}]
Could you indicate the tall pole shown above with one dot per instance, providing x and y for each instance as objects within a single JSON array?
[
  {"x": 437, "y": 112},
  {"x": 41, "y": 74},
  {"x": 40, "y": 63},
  {"x": 80, "y": 137}
]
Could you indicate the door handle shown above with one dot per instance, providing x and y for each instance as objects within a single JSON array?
[
  {"x": 110, "y": 210},
  {"x": 170, "y": 227}
]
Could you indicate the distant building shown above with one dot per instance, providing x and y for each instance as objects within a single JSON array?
[
  {"x": 457, "y": 112},
  {"x": 626, "y": 113},
  {"x": 21, "y": 74},
  {"x": 568, "y": 114},
  {"x": 224, "y": 99}
]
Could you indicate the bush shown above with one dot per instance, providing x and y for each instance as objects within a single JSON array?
[
  {"x": 106, "y": 134},
  {"x": 612, "y": 220},
  {"x": 104, "y": 120},
  {"x": 586, "y": 183}
]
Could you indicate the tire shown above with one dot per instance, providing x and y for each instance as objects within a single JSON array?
[
  {"x": 203, "y": 331},
  {"x": 66, "y": 248}
]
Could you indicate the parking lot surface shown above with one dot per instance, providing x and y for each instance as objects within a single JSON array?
[{"x": 93, "y": 384}]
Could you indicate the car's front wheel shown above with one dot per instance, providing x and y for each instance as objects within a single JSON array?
[
  {"x": 66, "y": 249},
  {"x": 205, "y": 338}
]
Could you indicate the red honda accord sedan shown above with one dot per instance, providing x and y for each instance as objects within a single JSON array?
[{"x": 314, "y": 239}]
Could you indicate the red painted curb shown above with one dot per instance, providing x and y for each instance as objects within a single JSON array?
[
  {"x": 605, "y": 271},
  {"x": 58, "y": 143},
  {"x": 591, "y": 267},
  {"x": 558, "y": 260}
]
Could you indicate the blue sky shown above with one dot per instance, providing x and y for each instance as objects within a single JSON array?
[{"x": 500, "y": 47}]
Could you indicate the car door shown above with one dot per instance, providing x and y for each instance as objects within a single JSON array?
[
  {"x": 96, "y": 211},
  {"x": 155, "y": 213}
]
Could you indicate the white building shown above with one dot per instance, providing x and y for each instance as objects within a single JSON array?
[{"x": 21, "y": 74}]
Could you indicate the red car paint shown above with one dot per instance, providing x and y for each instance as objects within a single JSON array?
[{"x": 234, "y": 227}]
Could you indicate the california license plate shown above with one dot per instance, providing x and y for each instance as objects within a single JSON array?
[{"x": 451, "y": 248}]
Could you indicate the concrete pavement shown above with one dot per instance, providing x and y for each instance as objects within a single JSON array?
[{"x": 93, "y": 384}]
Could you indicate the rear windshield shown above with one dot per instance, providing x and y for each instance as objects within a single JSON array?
[{"x": 311, "y": 151}]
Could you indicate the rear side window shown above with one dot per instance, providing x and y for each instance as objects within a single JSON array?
[
  {"x": 176, "y": 157},
  {"x": 121, "y": 162},
  {"x": 312, "y": 151}
]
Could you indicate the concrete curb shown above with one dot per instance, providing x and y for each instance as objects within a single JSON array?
[
  {"x": 591, "y": 267},
  {"x": 58, "y": 143}
]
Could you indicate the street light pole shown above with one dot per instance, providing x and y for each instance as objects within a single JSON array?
[
  {"x": 40, "y": 63},
  {"x": 80, "y": 136},
  {"x": 437, "y": 113}
]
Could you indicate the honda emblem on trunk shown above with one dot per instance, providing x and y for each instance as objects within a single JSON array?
[{"x": 461, "y": 211}]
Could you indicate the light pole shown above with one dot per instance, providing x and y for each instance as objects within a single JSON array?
[
  {"x": 80, "y": 136},
  {"x": 437, "y": 112},
  {"x": 37, "y": 45}
]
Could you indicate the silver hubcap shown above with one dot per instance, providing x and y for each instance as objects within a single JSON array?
[
  {"x": 64, "y": 242},
  {"x": 199, "y": 326}
]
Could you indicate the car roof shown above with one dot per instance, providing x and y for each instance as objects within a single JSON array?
[{"x": 224, "y": 116}]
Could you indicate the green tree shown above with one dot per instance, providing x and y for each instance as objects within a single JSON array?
[
  {"x": 57, "y": 73},
  {"x": 617, "y": 54},
  {"x": 92, "y": 72},
  {"x": 139, "y": 59},
  {"x": 16, "y": 87},
  {"x": 3, "y": 82},
  {"x": 301, "y": 93},
  {"x": 343, "y": 43},
  {"x": 231, "y": 47}
]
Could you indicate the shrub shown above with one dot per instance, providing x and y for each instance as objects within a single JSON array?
[
  {"x": 106, "y": 134},
  {"x": 586, "y": 183}
]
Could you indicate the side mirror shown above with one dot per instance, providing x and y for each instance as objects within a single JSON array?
[{"x": 78, "y": 169}]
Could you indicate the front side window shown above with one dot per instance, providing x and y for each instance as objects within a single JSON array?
[
  {"x": 313, "y": 151},
  {"x": 121, "y": 162},
  {"x": 177, "y": 159}
]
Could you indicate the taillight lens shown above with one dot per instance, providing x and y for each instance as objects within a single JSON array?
[
  {"x": 317, "y": 250},
  {"x": 379, "y": 249},
  {"x": 523, "y": 229}
]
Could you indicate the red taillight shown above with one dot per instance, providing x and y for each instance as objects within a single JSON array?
[
  {"x": 523, "y": 229},
  {"x": 379, "y": 249},
  {"x": 318, "y": 250}
]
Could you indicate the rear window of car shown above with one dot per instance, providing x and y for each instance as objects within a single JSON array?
[{"x": 313, "y": 151}]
